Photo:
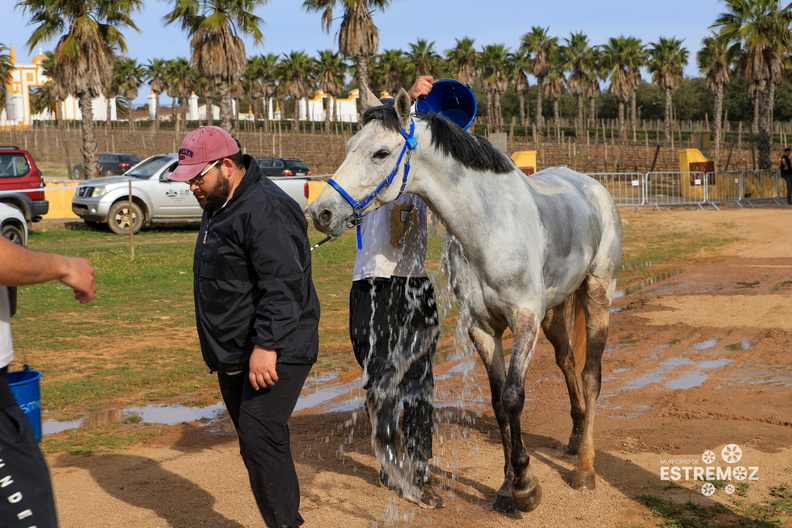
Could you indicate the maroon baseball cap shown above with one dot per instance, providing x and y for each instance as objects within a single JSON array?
[{"x": 201, "y": 146}]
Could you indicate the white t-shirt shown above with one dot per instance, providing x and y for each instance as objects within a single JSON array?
[
  {"x": 394, "y": 241},
  {"x": 6, "y": 348}
]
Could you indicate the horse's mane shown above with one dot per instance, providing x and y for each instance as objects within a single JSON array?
[{"x": 472, "y": 151}]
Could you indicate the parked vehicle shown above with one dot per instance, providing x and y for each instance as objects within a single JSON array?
[
  {"x": 13, "y": 225},
  {"x": 18, "y": 172},
  {"x": 283, "y": 167},
  {"x": 111, "y": 163},
  {"x": 154, "y": 198}
]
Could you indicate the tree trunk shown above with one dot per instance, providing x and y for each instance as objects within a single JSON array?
[
  {"x": 92, "y": 167},
  {"x": 226, "y": 110},
  {"x": 156, "y": 110},
  {"x": 327, "y": 105},
  {"x": 581, "y": 120},
  {"x": 764, "y": 141},
  {"x": 539, "y": 115},
  {"x": 717, "y": 119},
  {"x": 362, "y": 78},
  {"x": 621, "y": 120},
  {"x": 498, "y": 115},
  {"x": 668, "y": 103},
  {"x": 265, "y": 111},
  {"x": 633, "y": 111},
  {"x": 521, "y": 98}
]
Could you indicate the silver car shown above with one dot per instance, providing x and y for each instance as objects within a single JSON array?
[{"x": 154, "y": 197}]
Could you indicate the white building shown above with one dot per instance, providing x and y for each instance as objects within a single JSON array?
[{"x": 26, "y": 76}]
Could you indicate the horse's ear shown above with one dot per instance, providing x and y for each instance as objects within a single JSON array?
[
  {"x": 403, "y": 106},
  {"x": 369, "y": 99}
]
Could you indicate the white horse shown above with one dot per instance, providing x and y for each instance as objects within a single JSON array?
[{"x": 522, "y": 248}]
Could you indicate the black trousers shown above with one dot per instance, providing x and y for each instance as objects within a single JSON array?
[
  {"x": 393, "y": 327},
  {"x": 261, "y": 418},
  {"x": 788, "y": 180},
  {"x": 26, "y": 497}
]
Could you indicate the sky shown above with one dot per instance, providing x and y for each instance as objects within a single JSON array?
[{"x": 288, "y": 27}]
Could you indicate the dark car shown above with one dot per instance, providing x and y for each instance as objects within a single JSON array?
[
  {"x": 18, "y": 172},
  {"x": 111, "y": 163},
  {"x": 282, "y": 167}
]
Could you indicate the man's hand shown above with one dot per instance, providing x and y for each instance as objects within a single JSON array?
[
  {"x": 80, "y": 278},
  {"x": 262, "y": 367},
  {"x": 422, "y": 86}
]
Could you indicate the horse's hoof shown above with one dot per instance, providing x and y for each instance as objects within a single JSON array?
[
  {"x": 584, "y": 480},
  {"x": 504, "y": 504},
  {"x": 528, "y": 500}
]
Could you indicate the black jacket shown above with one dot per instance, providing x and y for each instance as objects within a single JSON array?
[{"x": 252, "y": 278}]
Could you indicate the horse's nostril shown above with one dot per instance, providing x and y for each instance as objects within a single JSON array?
[{"x": 325, "y": 217}]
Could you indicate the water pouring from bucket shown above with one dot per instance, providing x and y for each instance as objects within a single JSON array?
[{"x": 451, "y": 99}]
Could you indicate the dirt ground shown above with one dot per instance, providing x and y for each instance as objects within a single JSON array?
[{"x": 695, "y": 363}]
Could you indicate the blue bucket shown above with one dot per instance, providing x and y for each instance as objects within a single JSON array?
[
  {"x": 25, "y": 388},
  {"x": 450, "y": 99}
]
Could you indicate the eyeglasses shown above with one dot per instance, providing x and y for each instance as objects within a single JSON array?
[{"x": 198, "y": 180}]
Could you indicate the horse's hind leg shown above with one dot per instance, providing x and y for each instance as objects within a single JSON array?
[
  {"x": 596, "y": 304},
  {"x": 555, "y": 329},
  {"x": 490, "y": 350}
]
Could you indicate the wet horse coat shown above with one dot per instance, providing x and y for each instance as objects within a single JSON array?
[{"x": 521, "y": 249}]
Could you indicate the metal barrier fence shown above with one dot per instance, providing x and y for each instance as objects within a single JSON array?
[
  {"x": 699, "y": 189},
  {"x": 627, "y": 188}
]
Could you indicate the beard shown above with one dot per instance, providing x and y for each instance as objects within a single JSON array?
[{"x": 214, "y": 199}]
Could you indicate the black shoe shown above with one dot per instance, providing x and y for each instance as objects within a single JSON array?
[{"x": 430, "y": 499}]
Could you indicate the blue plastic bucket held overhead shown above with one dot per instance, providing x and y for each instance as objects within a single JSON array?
[
  {"x": 25, "y": 388},
  {"x": 450, "y": 99}
]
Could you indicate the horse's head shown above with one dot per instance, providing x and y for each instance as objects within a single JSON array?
[{"x": 376, "y": 154}]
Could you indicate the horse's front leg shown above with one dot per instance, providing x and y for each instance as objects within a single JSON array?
[
  {"x": 526, "y": 491},
  {"x": 490, "y": 349}
]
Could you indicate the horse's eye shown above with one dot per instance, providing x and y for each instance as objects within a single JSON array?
[{"x": 381, "y": 154}]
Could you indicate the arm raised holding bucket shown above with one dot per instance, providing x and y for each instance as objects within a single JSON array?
[{"x": 26, "y": 498}]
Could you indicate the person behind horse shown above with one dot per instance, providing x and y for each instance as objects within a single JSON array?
[
  {"x": 394, "y": 328},
  {"x": 786, "y": 173}
]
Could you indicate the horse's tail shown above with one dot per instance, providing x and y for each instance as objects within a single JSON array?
[{"x": 578, "y": 333}]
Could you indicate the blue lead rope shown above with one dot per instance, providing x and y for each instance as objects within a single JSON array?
[{"x": 409, "y": 144}]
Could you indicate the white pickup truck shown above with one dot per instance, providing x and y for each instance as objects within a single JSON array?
[{"x": 154, "y": 198}]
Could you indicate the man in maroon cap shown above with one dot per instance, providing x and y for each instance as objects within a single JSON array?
[{"x": 256, "y": 309}]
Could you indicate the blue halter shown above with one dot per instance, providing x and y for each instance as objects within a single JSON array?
[{"x": 357, "y": 207}]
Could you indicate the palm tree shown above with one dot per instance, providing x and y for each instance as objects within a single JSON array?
[
  {"x": 579, "y": 61},
  {"x": 358, "y": 37},
  {"x": 251, "y": 80},
  {"x": 296, "y": 71},
  {"x": 461, "y": 60},
  {"x": 539, "y": 45},
  {"x": 424, "y": 58},
  {"x": 521, "y": 86},
  {"x": 714, "y": 60},
  {"x": 218, "y": 52},
  {"x": 331, "y": 70},
  {"x": 112, "y": 90},
  {"x": 554, "y": 88},
  {"x": 636, "y": 57},
  {"x": 615, "y": 64},
  {"x": 495, "y": 63},
  {"x": 269, "y": 86},
  {"x": 761, "y": 27},
  {"x": 667, "y": 60},
  {"x": 84, "y": 54},
  {"x": 6, "y": 74},
  {"x": 178, "y": 80},
  {"x": 391, "y": 65},
  {"x": 133, "y": 75},
  {"x": 155, "y": 72}
]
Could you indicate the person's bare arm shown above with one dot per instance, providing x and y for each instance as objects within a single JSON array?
[{"x": 20, "y": 266}]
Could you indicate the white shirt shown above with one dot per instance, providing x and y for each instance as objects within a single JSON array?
[
  {"x": 394, "y": 240},
  {"x": 6, "y": 348}
]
